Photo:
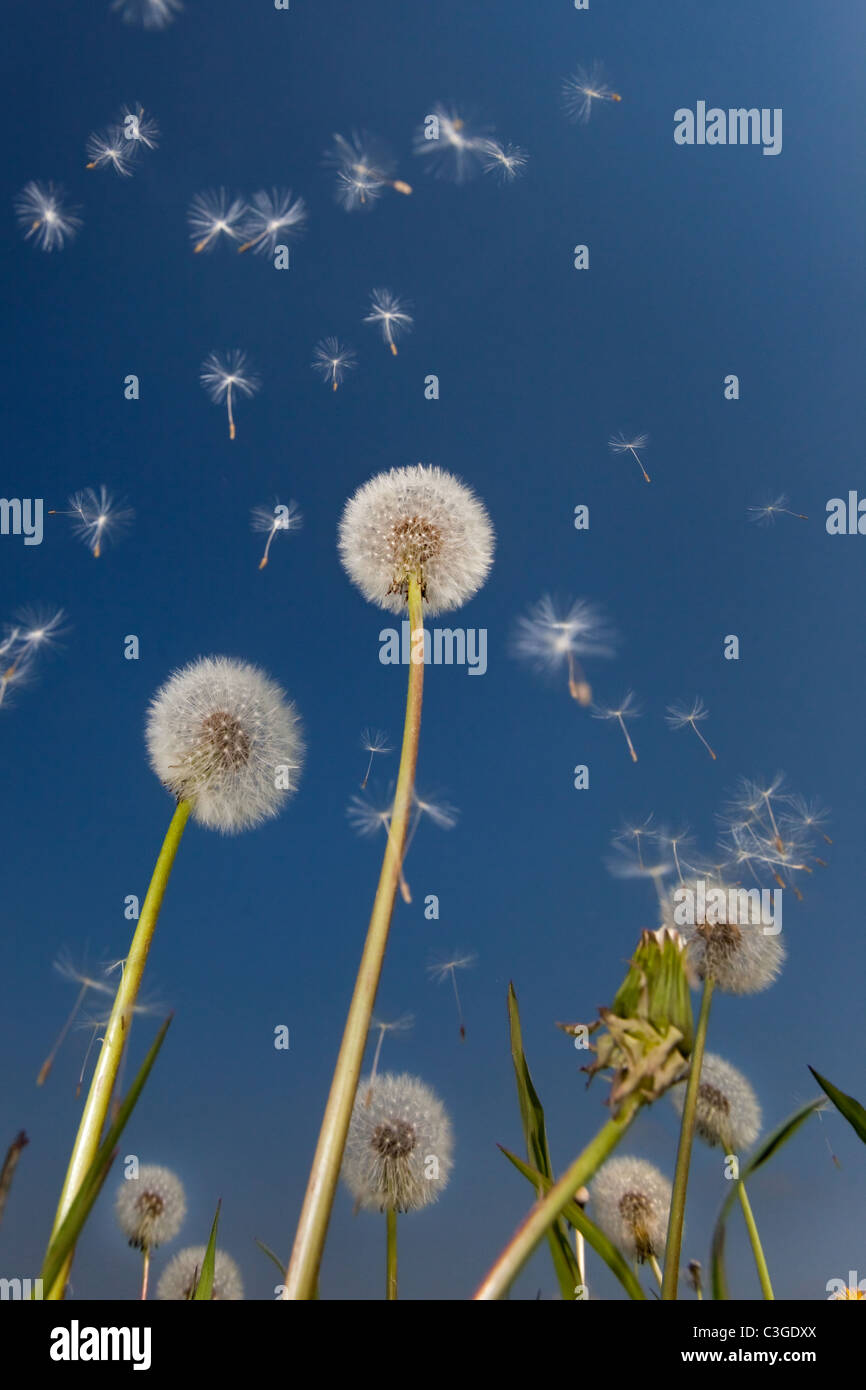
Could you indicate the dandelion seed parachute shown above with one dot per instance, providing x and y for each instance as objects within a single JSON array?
[
  {"x": 399, "y": 1149},
  {"x": 272, "y": 214},
  {"x": 151, "y": 1207},
  {"x": 212, "y": 215},
  {"x": 581, "y": 90},
  {"x": 282, "y": 516},
  {"x": 628, "y": 708},
  {"x": 97, "y": 517},
  {"x": 227, "y": 376},
  {"x": 728, "y": 1114},
  {"x": 223, "y": 735},
  {"x": 44, "y": 216},
  {"x": 451, "y": 149},
  {"x": 181, "y": 1275},
  {"x": 618, "y": 444},
  {"x": 506, "y": 162},
  {"x": 550, "y": 637},
  {"x": 138, "y": 126},
  {"x": 630, "y": 1202},
  {"x": 364, "y": 168},
  {"x": 391, "y": 315},
  {"x": 332, "y": 360},
  {"x": 416, "y": 521},
  {"x": 111, "y": 149}
]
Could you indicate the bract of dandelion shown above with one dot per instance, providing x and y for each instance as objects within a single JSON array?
[
  {"x": 281, "y": 517},
  {"x": 582, "y": 89},
  {"x": 213, "y": 215},
  {"x": 225, "y": 377},
  {"x": 391, "y": 315},
  {"x": 150, "y": 1207},
  {"x": 150, "y": 14},
  {"x": 505, "y": 162},
  {"x": 181, "y": 1275},
  {"x": 97, "y": 517},
  {"x": 765, "y": 515},
  {"x": 138, "y": 125},
  {"x": 619, "y": 444},
  {"x": 453, "y": 150},
  {"x": 44, "y": 216},
  {"x": 332, "y": 360},
  {"x": 682, "y": 716},
  {"x": 271, "y": 215},
  {"x": 399, "y": 1148},
  {"x": 112, "y": 149},
  {"x": 550, "y": 636},
  {"x": 728, "y": 1113},
  {"x": 364, "y": 169},
  {"x": 628, "y": 708}
]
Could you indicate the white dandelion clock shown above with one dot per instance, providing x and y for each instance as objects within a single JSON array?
[
  {"x": 740, "y": 956},
  {"x": 282, "y": 518},
  {"x": 272, "y": 215},
  {"x": 728, "y": 1114},
  {"x": 111, "y": 149},
  {"x": 619, "y": 444},
  {"x": 97, "y": 517},
  {"x": 150, "y": 1208},
  {"x": 222, "y": 735},
  {"x": 399, "y": 1150},
  {"x": 332, "y": 360},
  {"x": 391, "y": 315},
  {"x": 550, "y": 637},
  {"x": 213, "y": 215},
  {"x": 416, "y": 523},
  {"x": 150, "y": 14},
  {"x": 586, "y": 86},
  {"x": 180, "y": 1276},
  {"x": 453, "y": 150},
  {"x": 44, "y": 216},
  {"x": 227, "y": 377},
  {"x": 629, "y": 1200}
]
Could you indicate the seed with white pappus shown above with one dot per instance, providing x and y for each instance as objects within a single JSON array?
[
  {"x": 728, "y": 1115},
  {"x": 416, "y": 522},
  {"x": 223, "y": 735},
  {"x": 181, "y": 1275},
  {"x": 398, "y": 1153},
  {"x": 150, "y": 1208},
  {"x": 630, "y": 1202}
]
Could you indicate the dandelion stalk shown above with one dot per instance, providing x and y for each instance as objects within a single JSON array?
[
  {"x": 312, "y": 1229},
  {"x": 391, "y": 1258},
  {"x": 654, "y": 1266},
  {"x": 755, "y": 1239},
  {"x": 535, "y": 1226},
  {"x": 684, "y": 1150},
  {"x": 145, "y": 1273},
  {"x": 104, "y": 1077}
]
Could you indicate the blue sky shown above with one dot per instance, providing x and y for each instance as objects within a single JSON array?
[{"x": 703, "y": 262}]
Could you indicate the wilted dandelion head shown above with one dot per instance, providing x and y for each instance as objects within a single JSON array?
[
  {"x": 181, "y": 1275},
  {"x": 150, "y": 1208},
  {"x": 630, "y": 1202},
  {"x": 416, "y": 522},
  {"x": 742, "y": 956},
  {"x": 44, "y": 216},
  {"x": 223, "y": 735},
  {"x": 728, "y": 1114},
  {"x": 398, "y": 1153}
]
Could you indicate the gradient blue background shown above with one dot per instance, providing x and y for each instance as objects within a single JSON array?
[{"x": 703, "y": 262}]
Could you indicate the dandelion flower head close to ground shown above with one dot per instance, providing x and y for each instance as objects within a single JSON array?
[
  {"x": 728, "y": 1113},
  {"x": 181, "y": 1274},
  {"x": 400, "y": 1144},
  {"x": 150, "y": 1208},
  {"x": 630, "y": 1202}
]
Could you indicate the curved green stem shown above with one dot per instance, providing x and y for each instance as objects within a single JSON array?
[
  {"x": 537, "y": 1223},
  {"x": 312, "y": 1229},
  {"x": 105, "y": 1076},
  {"x": 670, "y": 1281},
  {"x": 391, "y": 1257},
  {"x": 757, "y": 1248}
]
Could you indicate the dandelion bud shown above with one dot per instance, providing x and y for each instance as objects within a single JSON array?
[
  {"x": 421, "y": 523},
  {"x": 630, "y": 1201},
  {"x": 150, "y": 1208},
  {"x": 398, "y": 1153},
  {"x": 181, "y": 1275},
  {"x": 223, "y": 735},
  {"x": 728, "y": 1114}
]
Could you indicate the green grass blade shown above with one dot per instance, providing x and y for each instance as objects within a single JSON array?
[
  {"x": 846, "y": 1105},
  {"x": 762, "y": 1155},
  {"x": 271, "y": 1256},
  {"x": 204, "y": 1287}
]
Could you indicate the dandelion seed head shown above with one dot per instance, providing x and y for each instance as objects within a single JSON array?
[
  {"x": 181, "y": 1275},
  {"x": 44, "y": 216},
  {"x": 223, "y": 735},
  {"x": 728, "y": 1114},
  {"x": 630, "y": 1202},
  {"x": 741, "y": 957},
  {"x": 418, "y": 521},
  {"x": 399, "y": 1149},
  {"x": 150, "y": 1208}
]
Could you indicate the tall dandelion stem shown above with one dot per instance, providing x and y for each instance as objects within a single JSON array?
[
  {"x": 303, "y": 1269},
  {"x": 670, "y": 1281},
  {"x": 755, "y": 1239},
  {"x": 535, "y": 1226},
  {"x": 104, "y": 1077},
  {"x": 145, "y": 1273},
  {"x": 391, "y": 1257}
]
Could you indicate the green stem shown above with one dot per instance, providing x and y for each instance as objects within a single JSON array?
[
  {"x": 312, "y": 1231},
  {"x": 670, "y": 1281},
  {"x": 104, "y": 1077},
  {"x": 539, "y": 1220},
  {"x": 757, "y": 1248},
  {"x": 391, "y": 1258}
]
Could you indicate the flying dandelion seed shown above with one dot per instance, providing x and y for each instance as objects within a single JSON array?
[
  {"x": 678, "y": 841},
  {"x": 213, "y": 215},
  {"x": 633, "y": 862},
  {"x": 637, "y": 833},
  {"x": 766, "y": 515},
  {"x": 807, "y": 815},
  {"x": 224, "y": 377},
  {"x": 681, "y": 716},
  {"x": 89, "y": 981},
  {"x": 282, "y": 516},
  {"x": 374, "y": 742},
  {"x": 618, "y": 444},
  {"x": 391, "y": 1142},
  {"x": 550, "y": 637},
  {"x": 391, "y": 314},
  {"x": 367, "y": 819},
  {"x": 111, "y": 149},
  {"x": 150, "y": 14},
  {"x": 506, "y": 162},
  {"x": 399, "y": 1025},
  {"x": 96, "y": 517},
  {"x": 136, "y": 124},
  {"x": 447, "y": 969},
  {"x": 441, "y": 814},
  {"x": 451, "y": 149},
  {"x": 628, "y": 708},
  {"x": 332, "y": 360},
  {"x": 34, "y": 630},
  {"x": 44, "y": 216},
  {"x": 364, "y": 168},
  {"x": 581, "y": 90},
  {"x": 271, "y": 215}
]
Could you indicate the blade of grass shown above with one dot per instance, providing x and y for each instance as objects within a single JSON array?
[
  {"x": 846, "y": 1105},
  {"x": 204, "y": 1287}
]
